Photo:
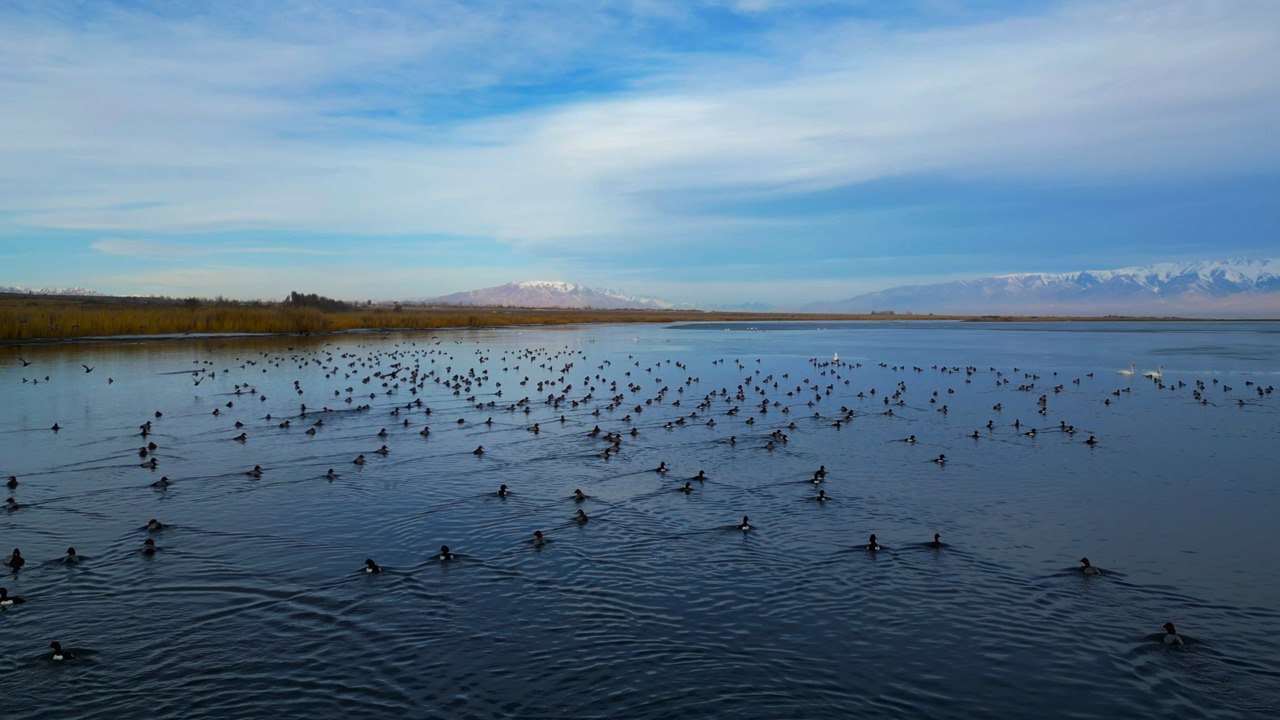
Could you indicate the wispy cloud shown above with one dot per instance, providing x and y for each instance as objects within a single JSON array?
[
  {"x": 162, "y": 249},
  {"x": 457, "y": 120}
]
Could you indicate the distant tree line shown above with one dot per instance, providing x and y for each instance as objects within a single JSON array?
[{"x": 319, "y": 302}]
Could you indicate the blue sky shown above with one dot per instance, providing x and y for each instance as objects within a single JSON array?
[{"x": 721, "y": 152}]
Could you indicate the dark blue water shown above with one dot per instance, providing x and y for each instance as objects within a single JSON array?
[{"x": 255, "y": 605}]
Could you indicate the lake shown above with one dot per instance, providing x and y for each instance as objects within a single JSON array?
[{"x": 257, "y": 605}]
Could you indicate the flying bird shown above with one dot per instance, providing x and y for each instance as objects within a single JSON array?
[{"x": 88, "y": 369}]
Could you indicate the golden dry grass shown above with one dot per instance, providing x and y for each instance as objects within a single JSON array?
[{"x": 25, "y": 318}]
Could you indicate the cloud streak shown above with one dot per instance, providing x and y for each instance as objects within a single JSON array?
[{"x": 356, "y": 122}]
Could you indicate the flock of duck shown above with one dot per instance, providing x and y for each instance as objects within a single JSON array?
[{"x": 623, "y": 395}]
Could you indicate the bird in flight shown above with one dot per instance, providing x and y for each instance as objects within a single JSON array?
[
  {"x": 24, "y": 362},
  {"x": 87, "y": 368}
]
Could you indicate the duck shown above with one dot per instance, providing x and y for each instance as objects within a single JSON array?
[
  {"x": 445, "y": 554},
  {"x": 383, "y": 450},
  {"x": 330, "y": 474},
  {"x": 149, "y": 547},
  {"x": 16, "y": 561},
  {"x": 7, "y": 600},
  {"x": 579, "y": 496},
  {"x": 478, "y": 451},
  {"x": 1171, "y": 636},
  {"x": 822, "y": 496},
  {"x": 71, "y": 558},
  {"x": 12, "y": 482},
  {"x": 502, "y": 491},
  {"x": 1087, "y": 567},
  {"x": 746, "y": 524},
  {"x": 1091, "y": 441},
  {"x": 940, "y": 460},
  {"x": 359, "y": 460},
  {"x": 255, "y": 472},
  {"x": 937, "y": 542},
  {"x": 11, "y": 504},
  {"x": 662, "y": 467},
  {"x": 154, "y": 525},
  {"x": 60, "y": 653},
  {"x": 161, "y": 484},
  {"x": 371, "y": 567},
  {"x": 872, "y": 545},
  {"x": 581, "y": 516},
  {"x": 701, "y": 476},
  {"x": 688, "y": 487},
  {"x": 538, "y": 540}
]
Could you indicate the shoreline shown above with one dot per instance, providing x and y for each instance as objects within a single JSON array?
[
  {"x": 36, "y": 319},
  {"x": 759, "y": 318}
]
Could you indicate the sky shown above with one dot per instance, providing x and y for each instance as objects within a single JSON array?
[{"x": 713, "y": 153}]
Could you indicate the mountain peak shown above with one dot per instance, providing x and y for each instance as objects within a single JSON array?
[
  {"x": 1238, "y": 287},
  {"x": 551, "y": 294}
]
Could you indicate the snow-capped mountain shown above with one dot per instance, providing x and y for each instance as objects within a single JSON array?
[
  {"x": 48, "y": 290},
  {"x": 551, "y": 294},
  {"x": 1221, "y": 288}
]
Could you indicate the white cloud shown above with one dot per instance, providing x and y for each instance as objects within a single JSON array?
[
  {"x": 157, "y": 249},
  {"x": 167, "y": 129}
]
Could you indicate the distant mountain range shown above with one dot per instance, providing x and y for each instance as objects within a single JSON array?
[
  {"x": 1223, "y": 288},
  {"x": 48, "y": 290},
  {"x": 551, "y": 294}
]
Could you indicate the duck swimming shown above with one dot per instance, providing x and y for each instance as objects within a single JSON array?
[
  {"x": 579, "y": 496},
  {"x": 161, "y": 484},
  {"x": 1088, "y": 568},
  {"x": 7, "y": 600},
  {"x": 11, "y": 504},
  {"x": 59, "y": 653},
  {"x": 872, "y": 545},
  {"x": 149, "y": 547},
  {"x": 71, "y": 558},
  {"x": 538, "y": 540},
  {"x": 502, "y": 491},
  {"x": 822, "y": 496},
  {"x": 688, "y": 487},
  {"x": 445, "y": 554},
  {"x": 746, "y": 524},
  {"x": 581, "y": 516},
  {"x": 255, "y": 472},
  {"x": 154, "y": 525},
  {"x": 371, "y": 567},
  {"x": 16, "y": 561},
  {"x": 937, "y": 542},
  {"x": 478, "y": 451},
  {"x": 12, "y": 483},
  {"x": 1171, "y": 636}
]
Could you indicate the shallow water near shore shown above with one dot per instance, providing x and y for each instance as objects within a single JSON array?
[{"x": 255, "y": 605}]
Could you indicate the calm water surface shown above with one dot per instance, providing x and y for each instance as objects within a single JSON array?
[{"x": 255, "y": 605}]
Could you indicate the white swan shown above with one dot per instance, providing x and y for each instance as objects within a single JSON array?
[
  {"x": 1128, "y": 372},
  {"x": 1156, "y": 374}
]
